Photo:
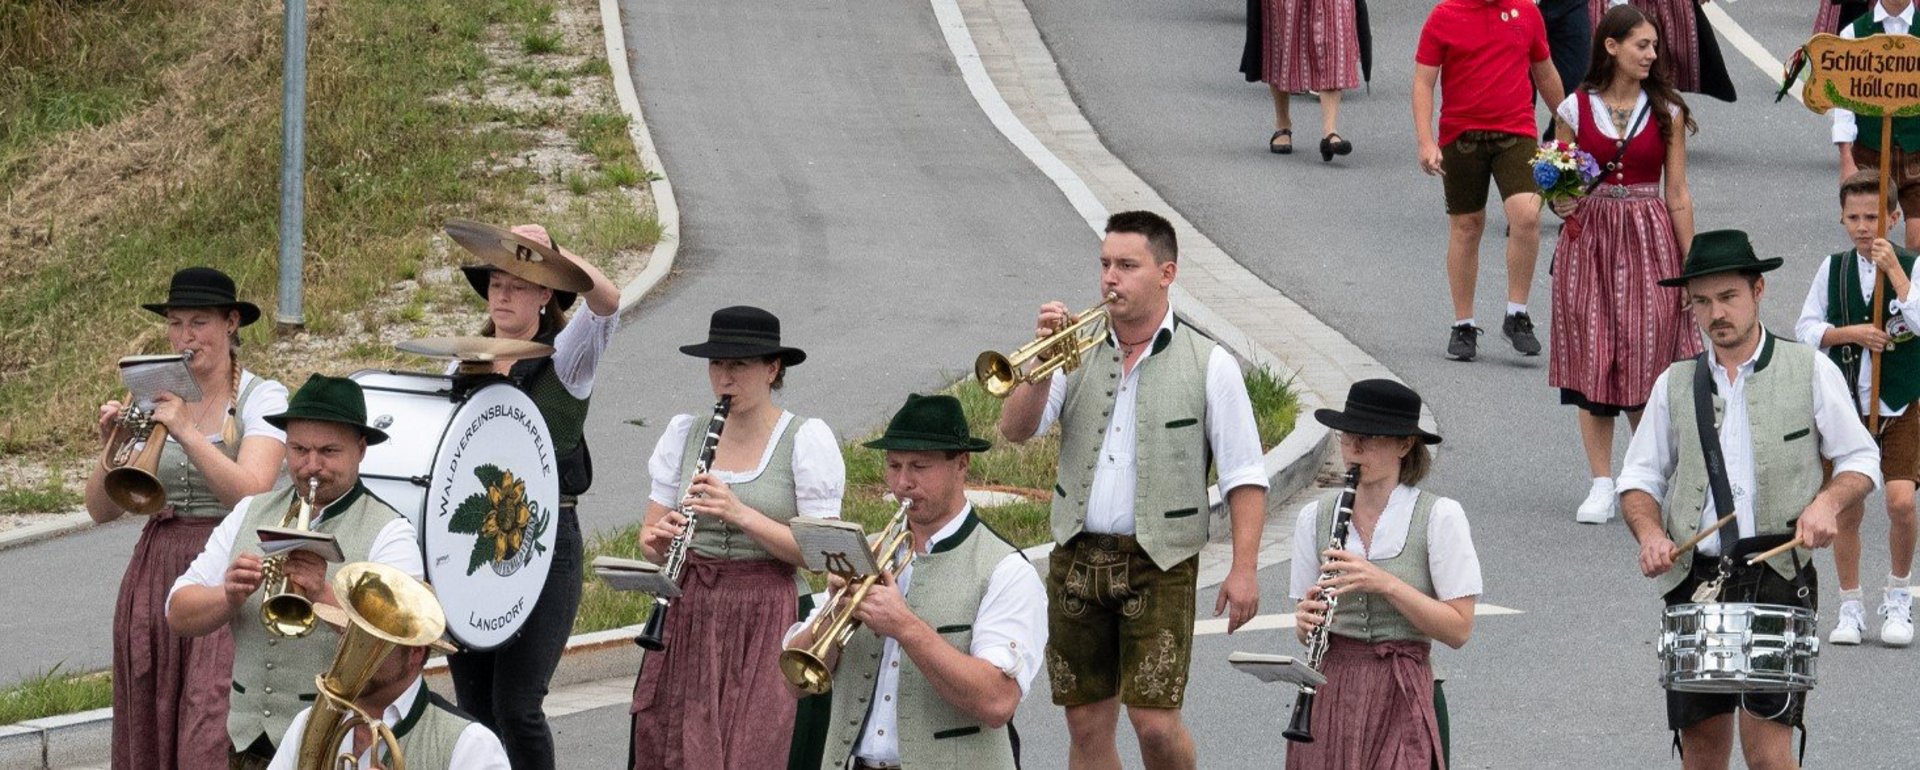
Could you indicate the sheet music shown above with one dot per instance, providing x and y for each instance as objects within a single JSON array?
[
  {"x": 278, "y": 540},
  {"x": 634, "y": 575},
  {"x": 149, "y": 376},
  {"x": 833, "y": 546},
  {"x": 1275, "y": 668}
]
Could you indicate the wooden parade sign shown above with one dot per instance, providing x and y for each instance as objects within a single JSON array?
[{"x": 1877, "y": 76}]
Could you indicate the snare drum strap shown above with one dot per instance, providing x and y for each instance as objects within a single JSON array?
[{"x": 1703, "y": 390}]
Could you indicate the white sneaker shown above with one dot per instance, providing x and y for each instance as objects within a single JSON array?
[
  {"x": 1853, "y": 620},
  {"x": 1601, "y": 504},
  {"x": 1897, "y": 608}
]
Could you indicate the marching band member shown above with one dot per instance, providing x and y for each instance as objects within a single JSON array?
[
  {"x": 327, "y": 436},
  {"x": 1780, "y": 406},
  {"x": 431, "y": 733},
  {"x": 170, "y": 692},
  {"x": 714, "y": 697},
  {"x": 953, "y": 641},
  {"x": 1406, "y": 576},
  {"x": 1837, "y": 318},
  {"x": 505, "y": 688},
  {"x": 1164, "y": 402}
]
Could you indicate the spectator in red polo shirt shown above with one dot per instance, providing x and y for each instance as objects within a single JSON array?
[{"x": 1489, "y": 56}]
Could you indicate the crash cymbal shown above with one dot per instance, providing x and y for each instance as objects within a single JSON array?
[
  {"x": 478, "y": 349},
  {"x": 525, "y": 258}
]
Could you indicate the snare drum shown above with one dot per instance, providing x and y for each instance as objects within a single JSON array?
[
  {"x": 1738, "y": 647},
  {"x": 476, "y": 474}
]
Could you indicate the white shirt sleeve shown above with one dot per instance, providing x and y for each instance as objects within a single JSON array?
[
  {"x": 1305, "y": 570},
  {"x": 1909, "y": 306},
  {"x": 268, "y": 397},
  {"x": 398, "y": 546},
  {"x": 1452, "y": 562},
  {"x": 1650, "y": 455},
  {"x": 1569, "y": 109},
  {"x": 287, "y": 757},
  {"x": 1812, "y": 324},
  {"x": 478, "y": 748},
  {"x": 209, "y": 569},
  {"x": 819, "y": 472},
  {"x": 1843, "y": 439},
  {"x": 1010, "y": 629},
  {"x": 577, "y": 349},
  {"x": 664, "y": 465},
  {"x": 1056, "y": 400},
  {"x": 1231, "y": 432}
]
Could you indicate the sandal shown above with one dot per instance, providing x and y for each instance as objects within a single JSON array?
[
  {"x": 1281, "y": 149},
  {"x": 1334, "y": 144}
]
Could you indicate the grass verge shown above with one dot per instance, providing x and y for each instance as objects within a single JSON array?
[
  {"x": 1024, "y": 469},
  {"x": 54, "y": 693},
  {"x": 50, "y": 496}
]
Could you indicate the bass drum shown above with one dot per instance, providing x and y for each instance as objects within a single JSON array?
[{"x": 477, "y": 476}]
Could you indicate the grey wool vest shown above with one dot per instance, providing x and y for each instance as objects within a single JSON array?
[
  {"x": 1786, "y": 451},
  {"x": 770, "y": 493},
  {"x": 273, "y": 677},
  {"x": 947, "y": 587},
  {"x": 1170, "y": 443},
  {"x": 430, "y": 731},
  {"x": 186, "y": 486},
  {"x": 1370, "y": 618}
]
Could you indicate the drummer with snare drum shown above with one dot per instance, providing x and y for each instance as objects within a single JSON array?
[
  {"x": 529, "y": 282},
  {"x": 1781, "y": 409}
]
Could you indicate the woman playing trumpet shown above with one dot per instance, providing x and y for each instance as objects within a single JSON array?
[
  {"x": 170, "y": 692},
  {"x": 714, "y": 697},
  {"x": 1406, "y": 576}
]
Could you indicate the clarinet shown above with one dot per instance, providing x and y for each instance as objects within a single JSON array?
[
  {"x": 1300, "y": 728},
  {"x": 653, "y": 636}
]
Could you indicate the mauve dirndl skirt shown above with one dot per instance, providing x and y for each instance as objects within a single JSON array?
[
  {"x": 714, "y": 698},
  {"x": 1375, "y": 712},
  {"x": 169, "y": 692}
]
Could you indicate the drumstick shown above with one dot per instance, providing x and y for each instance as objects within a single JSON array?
[
  {"x": 1702, "y": 534},
  {"x": 1785, "y": 547}
]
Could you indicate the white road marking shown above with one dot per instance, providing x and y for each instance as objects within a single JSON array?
[
  {"x": 1212, "y": 626},
  {"x": 1748, "y": 47}
]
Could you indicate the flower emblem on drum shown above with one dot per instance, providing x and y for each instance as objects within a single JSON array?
[{"x": 505, "y": 524}]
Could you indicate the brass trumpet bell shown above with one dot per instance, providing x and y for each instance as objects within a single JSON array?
[
  {"x": 287, "y": 614},
  {"x": 810, "y": 668},
  {"x": 1060, "y": 351},
  {"x": 131, "y": 460},
  {"x": 385, "y": 610}
]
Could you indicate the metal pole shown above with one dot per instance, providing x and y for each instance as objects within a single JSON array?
[{"x": 290, "y": 317}]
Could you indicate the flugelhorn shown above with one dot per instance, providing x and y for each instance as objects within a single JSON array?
[
  {"x": 287, "y": 614},
  {"x": 810, "y": 668},
  {"x": 386, "y": 609},
  {"x": 1056, "y": 352},
  {"x": 131, "y": 460}
]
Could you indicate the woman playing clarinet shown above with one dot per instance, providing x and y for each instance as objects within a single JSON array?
[
  {"x": 1407, "y": 575},
  {"x": 713, "y": 695}
]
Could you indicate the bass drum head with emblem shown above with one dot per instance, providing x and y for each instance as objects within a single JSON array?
[{"x": 492, "y": 514}]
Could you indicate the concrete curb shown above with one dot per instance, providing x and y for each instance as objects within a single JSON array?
[{"x": 659, "y": 263}]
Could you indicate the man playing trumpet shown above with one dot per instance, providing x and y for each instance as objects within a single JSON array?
[
  {"x": 955, "y": 637},
  {"x": 1149, "y": 408},
  {"x": 327, "y": 436}
]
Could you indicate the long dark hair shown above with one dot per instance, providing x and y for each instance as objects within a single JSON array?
[{"x": 1617, "y": 24}]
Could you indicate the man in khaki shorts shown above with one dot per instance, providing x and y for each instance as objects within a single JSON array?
[
  {"x": 1489, "y": 57},
  {"x": 1141, "y": 419}
]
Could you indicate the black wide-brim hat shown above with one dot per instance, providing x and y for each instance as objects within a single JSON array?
[
  {"x": 204, "y": 287},
  {"x": 329, "y": 399},
  {"x": 1721, "y": 251},
  {"x": 478, "y": 276},
  {"x": 743, "y": 331},
  {"x": 929, "y": 424},
  {"x": 1378, "y": 408}
]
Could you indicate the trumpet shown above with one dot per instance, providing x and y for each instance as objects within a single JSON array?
[
  {"x": 811, "y": 668},
  {"x": 1056, "y": 352},
  {"x": 286, "y": 614},
  {"x": 385, "y": 609}
]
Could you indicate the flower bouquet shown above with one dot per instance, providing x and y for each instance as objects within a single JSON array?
[{"x": 1564, "y": 172}]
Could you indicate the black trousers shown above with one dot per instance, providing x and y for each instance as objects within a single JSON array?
[
  {"x": 505, "y": 688},
  {"x": 1570, "y": 39}
]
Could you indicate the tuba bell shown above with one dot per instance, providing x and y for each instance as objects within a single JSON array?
[
  {"x": 131, "y": 460},
  {"x": 287, "y": 614},
  {"x": 1060, "y": 351},
  {"x": 385, "y": 609},
  {"x": 810, "y": 668}
]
